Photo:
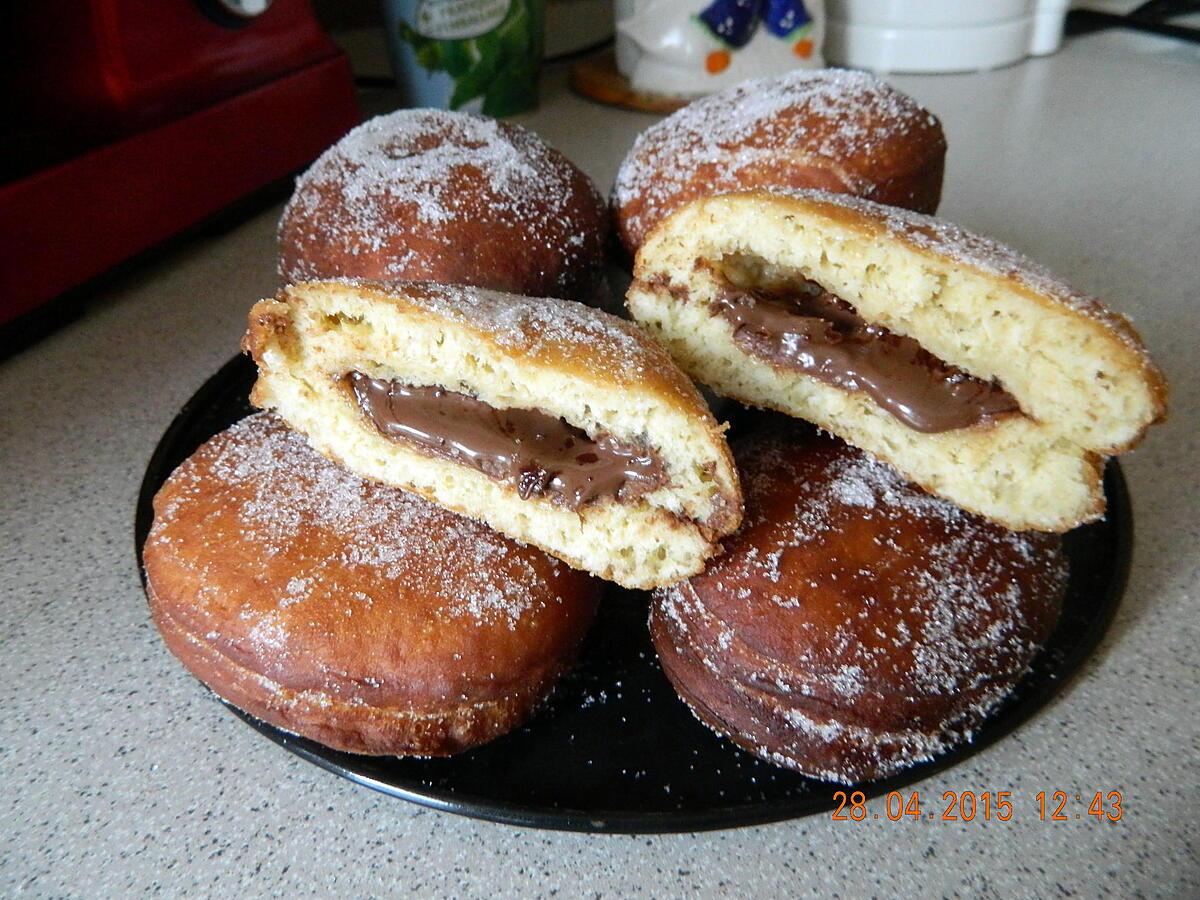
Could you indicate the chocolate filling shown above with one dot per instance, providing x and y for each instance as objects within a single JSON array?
[
  {"x": 536, "y": 452},
  {"x": 811, "y": 330}
]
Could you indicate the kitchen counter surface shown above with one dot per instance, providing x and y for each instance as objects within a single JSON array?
[{"x": 121, "y": 775}]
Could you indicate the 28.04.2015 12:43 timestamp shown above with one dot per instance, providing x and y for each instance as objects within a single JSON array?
[{"x": 970, "y": 806}]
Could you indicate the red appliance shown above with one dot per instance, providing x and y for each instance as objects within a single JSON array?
[{"x": 133, "y": 120}]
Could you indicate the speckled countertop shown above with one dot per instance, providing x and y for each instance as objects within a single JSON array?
[{"x": 119, "y": 775}]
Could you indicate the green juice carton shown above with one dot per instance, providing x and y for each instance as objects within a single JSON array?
[{"x": 477, "y": 55}]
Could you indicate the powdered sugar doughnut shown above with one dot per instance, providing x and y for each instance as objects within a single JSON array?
[
  {"x": 451, "y": 197},
  {"x": 856, "y": 625},
  {"x": 833, "y": 129},
  {"x": 351, "y": 613}
]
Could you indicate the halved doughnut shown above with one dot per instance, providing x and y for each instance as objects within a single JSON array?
[
  {"x": 972, "y": 370},
  {"x": 555, "y": 423}
]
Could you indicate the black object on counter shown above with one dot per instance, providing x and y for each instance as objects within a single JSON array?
[
  {"x": 1149, "y": 17},
  {"x": 615, "y": 750}
]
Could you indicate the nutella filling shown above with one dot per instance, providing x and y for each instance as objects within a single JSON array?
[
  {"x": 811, "y": 330},
  {"x": 538, "y": 453}
]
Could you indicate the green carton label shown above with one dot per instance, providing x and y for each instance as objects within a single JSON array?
[{"x": 458, "y": 19}]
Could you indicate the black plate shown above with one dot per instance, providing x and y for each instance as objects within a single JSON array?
[{"x": 615, "y": 750}]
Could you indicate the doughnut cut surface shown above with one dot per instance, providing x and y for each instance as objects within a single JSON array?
[
  {"x": 1085, "y": 385},
  {"x": 594, "y": 371}
]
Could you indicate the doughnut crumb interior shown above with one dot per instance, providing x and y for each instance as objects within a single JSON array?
[
  {"x": 555, "y": 423},
  {"x": 1048, "y": 382}
]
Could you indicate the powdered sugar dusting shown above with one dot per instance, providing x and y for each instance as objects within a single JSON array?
[
  {"x": 551, "y": 329},
  {"x": 847, "y": 118},
  {"x": 290, "y": 490},
  {"x": 907, "y": 638},
  {"x": 435, "y": 168},
  {"x": 966, "y": 248}
]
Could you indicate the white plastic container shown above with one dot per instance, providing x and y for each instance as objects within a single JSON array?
[{"x": 940, "y": 35}]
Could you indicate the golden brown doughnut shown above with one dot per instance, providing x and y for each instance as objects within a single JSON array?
[
  {"x": 450, "y": 197},
  {"x": 348, "y": 612},
  {"x": 832, "y": 129},
  {"x": 855, "y": 625}
]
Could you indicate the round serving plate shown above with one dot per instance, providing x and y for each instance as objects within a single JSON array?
[{"x": 614, "y": 750}]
